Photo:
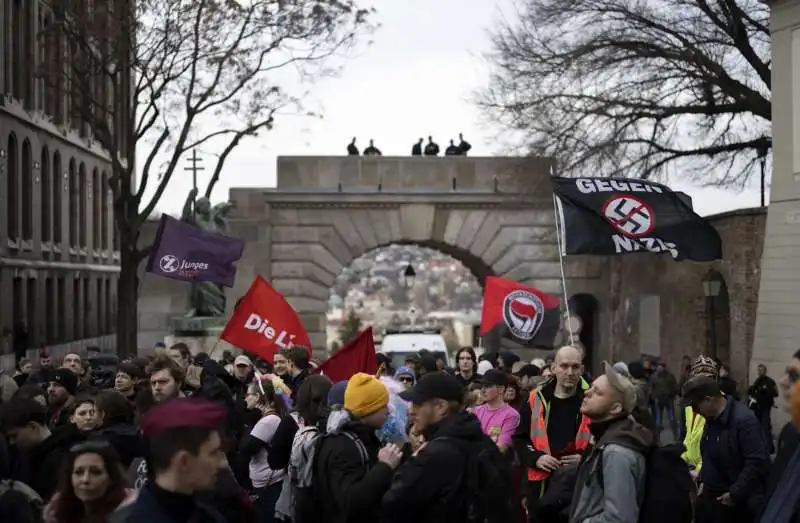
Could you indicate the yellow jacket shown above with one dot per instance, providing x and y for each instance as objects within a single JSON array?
[{"x": 695, "y": 424}]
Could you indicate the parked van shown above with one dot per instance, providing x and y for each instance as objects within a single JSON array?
[{"x": 399, "y": 345}]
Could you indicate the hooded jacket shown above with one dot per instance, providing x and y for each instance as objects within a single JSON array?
[
  {"x": 348, "y": 490},
  {"x": 431, "y": 486},
  {"x": 611, "y": 478}
]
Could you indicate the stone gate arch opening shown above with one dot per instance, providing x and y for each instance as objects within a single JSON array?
[
  {"x": 445, "y": 293},
  {"x": 494, "y": 215}
]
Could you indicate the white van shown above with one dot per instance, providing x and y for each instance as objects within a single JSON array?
[{"x": 398, "y": 345}]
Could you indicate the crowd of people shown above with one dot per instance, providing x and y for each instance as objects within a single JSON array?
[
  {"x": 185, "y": 438},
  {"x": 420, "y": 148}
]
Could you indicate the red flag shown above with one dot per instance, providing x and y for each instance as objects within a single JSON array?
[
  {"x": 357, "y": 356},
  {"x": 263, "y": 322},
  {"x": 523, "y": 314}
]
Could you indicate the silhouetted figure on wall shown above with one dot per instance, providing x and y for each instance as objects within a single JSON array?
[
  {"x": 452, "y": 150},
  {"x": 416, "y": 149},
  {"x": 20, "y": 339},
  {"x": 463, "y": 145},
  {"x": 432, "y": 149},
  {"x": 352, "y": 150},
  {"x": 372, "y": 150}
]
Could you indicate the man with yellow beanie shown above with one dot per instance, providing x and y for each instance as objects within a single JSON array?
[{"x": 351, "y": 470}]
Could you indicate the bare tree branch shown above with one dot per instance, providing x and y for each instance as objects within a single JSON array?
[
  {"x": 171, "y": 75},
  {"x": 641, "y": 89}
]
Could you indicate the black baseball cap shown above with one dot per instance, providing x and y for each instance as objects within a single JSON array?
[
  {"x": 434, "y": 386},
  {"x": 493, "y": 377}
]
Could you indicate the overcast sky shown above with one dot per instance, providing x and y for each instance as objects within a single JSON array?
[{"x": 417, "y": 79}]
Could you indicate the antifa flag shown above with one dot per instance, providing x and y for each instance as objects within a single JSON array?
[
  {"x": 182, "y": 251},
  {"x": 263, "y": 322},
  {"x": 605, "y": 216},
  {"x": 358, "y": 355},
  {"x": 520, "y": 313}
]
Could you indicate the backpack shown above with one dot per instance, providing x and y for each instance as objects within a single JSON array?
[
  {"x": 306, "y": 507},
  {"x": 669, "y": 488},
  {"x": 20, "y": 503},
  {"x": 489, "y": 483}
]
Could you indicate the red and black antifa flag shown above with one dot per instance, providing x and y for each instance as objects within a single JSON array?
[
  {"x": 617, "y": 215},
  {"x": 520, "y": 313}
]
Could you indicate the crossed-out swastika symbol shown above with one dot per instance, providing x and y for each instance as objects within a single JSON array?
[{"x": 629, "y": 215}]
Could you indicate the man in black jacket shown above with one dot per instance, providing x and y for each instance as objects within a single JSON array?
[
  {"x": 763, "y": 392},
  {"x": 433, "y": 485},
  {"x": 351, "y": 470},
  {"x": 734, "y": 454}
]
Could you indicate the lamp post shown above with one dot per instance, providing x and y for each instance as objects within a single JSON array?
[
  {"x": 409, "y": 277},
  {"x": 712, "y": 286}
]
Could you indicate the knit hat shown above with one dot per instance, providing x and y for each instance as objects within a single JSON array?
[
  {"x": 623, "y": 385},
  {"x": 134, "y": 371},
  {"x": 336, "y": 394},
  {"x": 365, "y": 395},
  {"x": 65, "y": 378},
  {"x": 704, "y": 366}
]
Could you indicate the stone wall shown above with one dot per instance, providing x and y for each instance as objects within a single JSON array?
[{"x": 658, "y": 307}]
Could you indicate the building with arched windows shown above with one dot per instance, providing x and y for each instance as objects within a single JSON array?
[{"x": 58, "y": 251}]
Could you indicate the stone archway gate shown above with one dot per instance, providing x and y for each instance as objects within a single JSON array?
[{"x": 495, "y": 215}]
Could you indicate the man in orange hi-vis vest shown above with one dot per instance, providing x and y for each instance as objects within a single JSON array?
[{"x": 552, "y": 432}]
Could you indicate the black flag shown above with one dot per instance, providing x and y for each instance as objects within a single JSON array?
[{"x": 605, "y": 216}]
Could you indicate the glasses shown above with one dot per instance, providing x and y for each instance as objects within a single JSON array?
[
  {"x": 793, "y": 374},
  {"x": 406, "y": 380}
]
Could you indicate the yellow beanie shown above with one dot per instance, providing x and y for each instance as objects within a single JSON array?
[{"x": 365, "y": 395}]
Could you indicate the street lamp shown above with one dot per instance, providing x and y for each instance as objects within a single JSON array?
[
  {"x": 409, "y": 277},
  {"x": 712, "y": 286}
]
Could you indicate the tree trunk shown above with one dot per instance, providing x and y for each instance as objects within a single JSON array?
[{"x": 128, "y": 302}]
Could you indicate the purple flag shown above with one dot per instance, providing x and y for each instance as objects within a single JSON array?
[{"x": 182, "y": 251}]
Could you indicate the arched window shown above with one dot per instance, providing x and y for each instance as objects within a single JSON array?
[
  {"x": 57, "y": 188},
  {"x": 45, "y": 195},
  {"x": 105, "y": 192},
  {"x": 82, "y": 207},
  {"x": 97, "y": 204},
  {"x": 27, "y": 191},
  {"x": 12, "y": 188},
  {"x": 72, "y": 205}
]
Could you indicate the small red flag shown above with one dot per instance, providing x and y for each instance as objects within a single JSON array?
[
  {"x": 523, "y": 314},
  {"x": 263, "y": 322},
  {"x": 357, "y": 356}
]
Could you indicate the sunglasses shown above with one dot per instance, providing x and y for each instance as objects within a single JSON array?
[
  {"x": 793, "y": 374},
  {"x": 406, "y": 379}
]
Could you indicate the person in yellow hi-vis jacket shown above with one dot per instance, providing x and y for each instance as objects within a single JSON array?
[{"x": 695, "y": 423}]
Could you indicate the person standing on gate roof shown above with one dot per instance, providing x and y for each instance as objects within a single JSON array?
[
  {"x": 553, "y": 433},
  {"x": 610, "y": 482},
  {"x": 351, "y": 470}
]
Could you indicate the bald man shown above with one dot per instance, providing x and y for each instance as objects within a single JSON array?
[{"x": 552, "y": 431}]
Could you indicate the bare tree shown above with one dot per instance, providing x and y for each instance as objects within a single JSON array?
[
  {"x": 163, "y": 77},
  {"x": 638, "y": 88}
]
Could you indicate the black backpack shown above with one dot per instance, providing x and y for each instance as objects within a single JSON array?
[
  {"x": 19, "y": 503},
  {"x": 669, "y": 488},
  {"x": 489, "y": 487}
]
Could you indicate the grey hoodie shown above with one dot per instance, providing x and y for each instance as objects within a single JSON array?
[{"x": 607, "y": 496}]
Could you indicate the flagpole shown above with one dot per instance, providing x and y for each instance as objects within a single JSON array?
[{"x": 560, "y": 240}]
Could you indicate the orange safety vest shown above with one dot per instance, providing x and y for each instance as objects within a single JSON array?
[{"x": 539, "y": 416}]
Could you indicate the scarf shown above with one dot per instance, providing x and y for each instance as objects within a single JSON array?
[{"x": 783, "y": 503}]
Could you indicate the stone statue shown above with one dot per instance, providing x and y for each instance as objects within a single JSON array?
[{"x": 206, "y": 299}]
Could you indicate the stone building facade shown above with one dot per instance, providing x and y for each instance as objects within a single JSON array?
[
  {"x": 58, "y": 255},
  {"x": 328, "y": 211}
]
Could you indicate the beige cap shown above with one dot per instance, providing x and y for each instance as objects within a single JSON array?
[
  {"x": 623, "y": 385},
  {"x": 242, "y": 360}
]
